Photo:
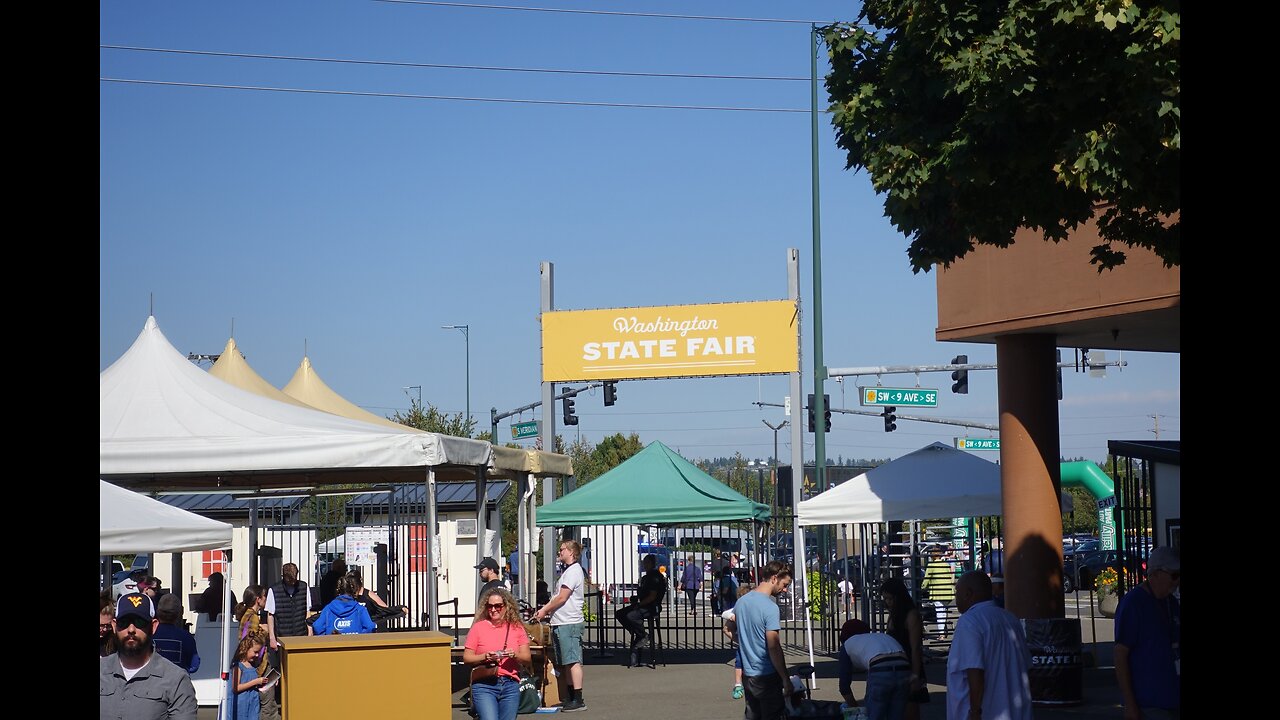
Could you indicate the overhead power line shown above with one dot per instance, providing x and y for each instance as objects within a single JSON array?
[
  {"x": 450, "y": 66},
  {"x": 568, "y": 11},
  {"x": 409, "y": 96}
]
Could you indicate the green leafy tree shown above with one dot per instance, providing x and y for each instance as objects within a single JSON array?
[
  {"x": 431, "y": 419},
  {"x": 976, "y": 118}
]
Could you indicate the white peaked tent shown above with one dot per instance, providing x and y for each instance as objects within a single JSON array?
[
  {"x": 132, "y": 523},
  {"x": 164, "y": 421},
  {"x": 936, "y": 481}
]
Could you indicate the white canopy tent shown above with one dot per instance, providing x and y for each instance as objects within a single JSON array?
[
  {"x": 132, "y": 523},
  {"x": 936, "y": 481},
  {"x": 129, "y": 522}
]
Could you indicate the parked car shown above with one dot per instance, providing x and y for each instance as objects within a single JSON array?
[
  {"x": 126, "y": 581},
  {"x": 1080, "y": 570},
  {"x": 1080, "y": 546}
]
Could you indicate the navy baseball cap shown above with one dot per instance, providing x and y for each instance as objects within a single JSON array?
[{"x": 137, "y": 605}]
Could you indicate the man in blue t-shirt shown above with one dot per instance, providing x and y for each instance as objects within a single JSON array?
[
  {"x": 764, "y": 669},
  {"x": 1148, "y": 632}
]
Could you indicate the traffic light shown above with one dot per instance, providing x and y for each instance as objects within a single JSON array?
[
  {"x": 813, "y": 421},
  {"x": 1057, "y": 365},
  {"x": 826, "y": 413},
  {"x": 890, "y": 419},
  {"x": 567, "y": 404},
  {"x": 610, "y": 393},
  {"x": 961, "y": 377}
]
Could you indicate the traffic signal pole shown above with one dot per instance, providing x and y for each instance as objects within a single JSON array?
[
  {"x": 900, "y": 416},
  {"x": 950, "y": 367}
]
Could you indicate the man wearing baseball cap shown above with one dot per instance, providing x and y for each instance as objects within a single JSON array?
[
  {"x": 1148, "y": 632},
  {"x": 490, "y": 576},
  {"x": 135, "y": 682}
]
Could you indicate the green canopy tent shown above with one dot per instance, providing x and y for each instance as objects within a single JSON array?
[{"x": 653, "y": 487}]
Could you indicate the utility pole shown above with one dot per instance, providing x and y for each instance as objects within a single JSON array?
[{"x": 1156, "y": 418}]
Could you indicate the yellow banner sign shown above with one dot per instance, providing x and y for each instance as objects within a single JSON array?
[{"x": 748, "y": 338}]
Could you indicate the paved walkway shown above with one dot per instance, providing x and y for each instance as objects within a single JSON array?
[{"x": 695, "y": 685}]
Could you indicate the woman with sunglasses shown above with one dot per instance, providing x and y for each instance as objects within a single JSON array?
[{"x": 497, "y": 639}]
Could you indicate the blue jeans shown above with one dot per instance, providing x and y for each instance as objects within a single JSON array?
[
  {"x": 887, "y": 692},
  {"x": 496, "y": 701}
]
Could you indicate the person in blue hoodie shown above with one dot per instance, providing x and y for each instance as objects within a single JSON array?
[{"x": 344, "y": 615}]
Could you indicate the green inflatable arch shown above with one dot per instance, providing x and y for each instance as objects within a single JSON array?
[{"x": 1090, "y": 477}]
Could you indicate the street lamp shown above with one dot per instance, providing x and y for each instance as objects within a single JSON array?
[
  {"x": 773, "y": 500},
  {"x": 466, "y": 333},
  {"x": 407, "y": 388}
]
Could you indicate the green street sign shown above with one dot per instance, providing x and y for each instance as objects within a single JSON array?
[
  {"x": 978, "y": 443},
  {"x": 906, "y": 397},
  {"x": 526, "y": 429}
]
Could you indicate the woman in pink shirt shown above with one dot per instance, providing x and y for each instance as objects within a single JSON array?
[{"x": 497, "y": 639}]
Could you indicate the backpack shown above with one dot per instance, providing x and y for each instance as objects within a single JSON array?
[{"x": 530, "y": 698}]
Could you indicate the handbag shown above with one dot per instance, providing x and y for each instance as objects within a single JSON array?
[{"x": 489, "y": 673}]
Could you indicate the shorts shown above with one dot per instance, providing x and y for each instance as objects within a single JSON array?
[{"x": 568, "y": 640}]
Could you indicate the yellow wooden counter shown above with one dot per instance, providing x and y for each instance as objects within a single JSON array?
[{"x": 384, "y": 675}]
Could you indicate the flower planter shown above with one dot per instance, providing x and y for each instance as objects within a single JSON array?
[{"x": 1107, "y": 604}]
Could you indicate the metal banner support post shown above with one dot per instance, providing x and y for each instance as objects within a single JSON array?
[
  {"x": 601, "y": 652},
  {"x": 549, "y": 540}
]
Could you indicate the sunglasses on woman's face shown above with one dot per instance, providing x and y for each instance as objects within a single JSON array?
[{"x": 493, "y": 606}]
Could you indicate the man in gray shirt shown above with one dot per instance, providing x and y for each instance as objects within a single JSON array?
[{"x": 135, "y": 683}]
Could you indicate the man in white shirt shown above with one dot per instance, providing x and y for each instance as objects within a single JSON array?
[
  {"x": 888, "y": 670},
  {"x": 846, "y": 593},
  {"x": 567, "y": 623},
  {"x": 987, "y": 665}
]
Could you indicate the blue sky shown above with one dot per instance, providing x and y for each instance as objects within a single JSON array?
[{"x": 356, "y": 226}]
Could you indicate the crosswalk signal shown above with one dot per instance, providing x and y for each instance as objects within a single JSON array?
[
  {"x": 961, "y": 377},
  {"x": 610, "y": 393},
  {"x": 890, "y": 419},
  {"x": 813, "y": 421},
  {"x": 826, "y": 413},
  {"x": 567, "y": 405}
]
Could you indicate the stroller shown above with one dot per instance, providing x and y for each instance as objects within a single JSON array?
[{"x": 802, "y": 707}]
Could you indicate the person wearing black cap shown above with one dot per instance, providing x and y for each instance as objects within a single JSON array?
[
  {"x": 135, "y": 682},
  {"x": 490, "y": 576}
]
